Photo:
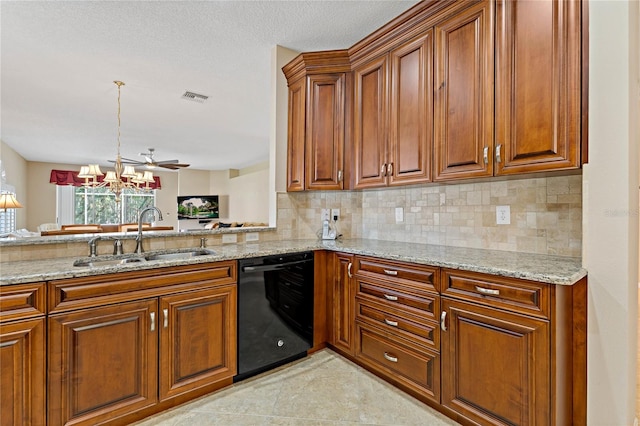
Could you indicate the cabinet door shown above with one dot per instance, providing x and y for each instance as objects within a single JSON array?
[
  {"x": 411, "y": 112},
  {"x": 370, "y": 124},
  {"x": 495, "y": 365},
  {"x": 343, "y": 302},
  {"x": 463, "y": 105},
  {"x": 324, "y": 147},
  {"x": 23, "y": 373},
  {"x": 197, "y": 339},
  {"x": 295, "y": 136},
  {"x": 537, "y": 85},
  {"x": 103, "y": 362}
]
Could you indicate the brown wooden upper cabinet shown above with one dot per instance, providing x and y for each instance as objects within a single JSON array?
[
  {"x": 538, "y": 86},
  {"x": 316, "y": 128},
  {"x": 392, "y": 116},
  {"x": 463, "y": 102}
]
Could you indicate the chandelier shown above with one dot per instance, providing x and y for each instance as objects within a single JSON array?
[{"x": 122, "y": 177}]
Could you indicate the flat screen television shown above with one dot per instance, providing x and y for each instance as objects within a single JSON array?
[{"x": 198, "y": 207}]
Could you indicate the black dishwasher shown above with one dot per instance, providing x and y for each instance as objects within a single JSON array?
[{"x": 275, "y": 311}]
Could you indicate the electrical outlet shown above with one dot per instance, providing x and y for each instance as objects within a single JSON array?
[
  {"x": 229, "y": 238},
  {"x": 503, "y": 215},
  {"x": 399, "y": 215},
  {"x": 335, "y": 214},
  {"x": 252, "y": 236},
  {"x": 325, "y": 215}
]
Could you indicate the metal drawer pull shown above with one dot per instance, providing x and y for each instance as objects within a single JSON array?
[
  {"x": 390, "y": 272},
  {"x": 488, "y": 291},
  {"x": 443, "y": 317},
  {"x": 383, "y": 170},
  {"x": 339, "y": 175},
  {"x": 153, "y": 321},
  {"x": 390, "y": 297},
  {"x": 349, "y": 270},
  {"x": 391, "y": 323},
  {"x": 166, "y": 317},
  {"x": 498, "y": 156},
  {"x": 390, "y": 357},
  {"x": 390, "y": 169},
  {"x": 485, "y": 154}
]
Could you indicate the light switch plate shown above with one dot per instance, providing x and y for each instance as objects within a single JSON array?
[
  {"x": 503, "y": 215},
  {"x": 399, "y": 215},
  {"x": 324, "y": 215},
  {"x": 252, "y": 236},
  {"x": 229, "y": 238},
  {"x": 335, "y": 213}
]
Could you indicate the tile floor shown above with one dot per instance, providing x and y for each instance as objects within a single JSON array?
[{"x": 322, "y": 389}]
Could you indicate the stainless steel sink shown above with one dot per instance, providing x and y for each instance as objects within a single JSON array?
[
  {"x": 107, "y": 261},
  {"x": 176, "y": 255}
]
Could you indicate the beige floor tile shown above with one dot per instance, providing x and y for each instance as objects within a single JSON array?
[{"x": 320, "y": 390}]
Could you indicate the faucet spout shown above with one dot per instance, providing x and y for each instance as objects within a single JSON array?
[{"x": 139, "y": 248}]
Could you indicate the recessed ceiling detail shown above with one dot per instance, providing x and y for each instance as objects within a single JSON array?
[{"x": 190, "y": 96}]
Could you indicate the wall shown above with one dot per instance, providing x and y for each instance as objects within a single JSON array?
[
  {"x": 546, "y": 214},
  {"x": 15, "y": 168},
  {"x": 611, "y": 211}
]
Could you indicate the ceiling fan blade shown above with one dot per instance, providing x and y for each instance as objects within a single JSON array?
[
  {"x": 167, "y": 162},
  {"x": 130, "y": 161},
  {"x": 173, "y": 166}
]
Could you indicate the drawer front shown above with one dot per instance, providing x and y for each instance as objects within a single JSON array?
[
  {"x": 420, "y": 276},
  {"x": 425, "y": 304},
  {"x": 22, "y": 301},
  {"x": 423, "y": 332},
  {"x": 419, "y": 370},
  {"x": 515, "y": 295},
  {"x": 78, "y": 293}
]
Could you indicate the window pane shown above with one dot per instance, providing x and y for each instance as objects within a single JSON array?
[{"x": 98, "y": 205}]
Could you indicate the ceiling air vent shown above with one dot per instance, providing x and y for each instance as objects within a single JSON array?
[{"x": 190, "y": 96}]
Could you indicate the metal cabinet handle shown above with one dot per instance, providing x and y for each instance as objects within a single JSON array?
[
  {"x": 166, "y": 317},
  {"x": 390, "y": 272},
  {"x": 339, "y": 175},
  {"x": 153, "y": 321},
  {"x": 443, "y": 317},
  {"x": 391, "y": 323},
  {"x": 383, "y": 170},
  {"x": 390, "y": 357},
  {"x": 349, "y": 270},
  {"x": 498, "y": 156},
  {"x": 485, "y": 154},
  {"x": 488, "y": 291},
  {"x": 390, "y": 297},
  {"x": 390, "y": 169}
]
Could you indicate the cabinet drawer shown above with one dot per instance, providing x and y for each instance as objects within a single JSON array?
[
  {"x": 22, "y": 301},
  {"x": 418, "y": 276},
  {"x": 423, "y": 332},
  {"x": 419, "y": 370},
  {"x": 425, "y": 304},
  {"x": 515, "y": 295},
  {"x": 78, "y": 293}
]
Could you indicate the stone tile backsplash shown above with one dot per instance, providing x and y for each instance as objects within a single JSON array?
[{"x": 546, "y": 214}]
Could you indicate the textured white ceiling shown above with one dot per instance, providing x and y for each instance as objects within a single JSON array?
[{"x": 59, "y": 60}]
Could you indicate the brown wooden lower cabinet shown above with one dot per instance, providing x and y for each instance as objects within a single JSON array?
[
  {"x": 103, "y": 362},
  {"x": 342, "y": 302},
  {"x": 495, "y": 365},
  {"x": 23, "y": 373}
]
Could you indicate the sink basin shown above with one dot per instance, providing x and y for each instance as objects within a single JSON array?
[
  {"x": 176, "y": 255},
  {"x": 145, "y": 257},
  {"x": 108, "y": 261}
]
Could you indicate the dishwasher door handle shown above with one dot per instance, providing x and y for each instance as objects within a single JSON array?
[{"x": 275, "y": 267}]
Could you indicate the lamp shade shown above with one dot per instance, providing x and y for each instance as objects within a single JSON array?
[{"x": 8, "y": 201}]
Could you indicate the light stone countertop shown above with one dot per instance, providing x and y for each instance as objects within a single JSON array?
[{"x": 542, "y": 268}]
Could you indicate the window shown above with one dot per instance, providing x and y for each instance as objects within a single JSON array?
[
  {"x": 7, "y": 216},
  {"x": 82, "y": 205}
]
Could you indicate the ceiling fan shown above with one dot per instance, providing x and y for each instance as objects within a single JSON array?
[{"x": 150, "y": 163}]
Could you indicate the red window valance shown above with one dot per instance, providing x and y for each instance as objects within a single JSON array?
[{"x": 70, "y": 177}]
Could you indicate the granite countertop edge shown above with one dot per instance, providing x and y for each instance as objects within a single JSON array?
[{"x": 548, "y": 269}]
